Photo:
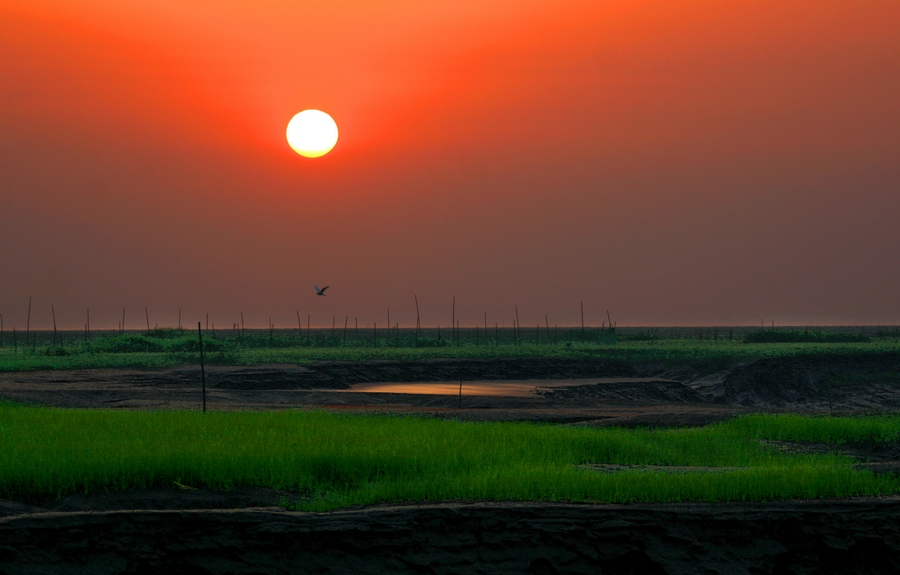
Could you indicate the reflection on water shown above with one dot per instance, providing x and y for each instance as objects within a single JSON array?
[{"x": 506, "y": 388}]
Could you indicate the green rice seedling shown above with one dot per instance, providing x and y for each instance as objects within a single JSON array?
[
  {"x": 353, "y": 460},
  {"x": 825, "y": 429}
]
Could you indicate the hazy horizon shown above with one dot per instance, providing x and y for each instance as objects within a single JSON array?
[{"x": 698, "y": 163}]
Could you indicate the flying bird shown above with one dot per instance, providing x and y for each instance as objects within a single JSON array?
[{"x": 321, "y": 291}]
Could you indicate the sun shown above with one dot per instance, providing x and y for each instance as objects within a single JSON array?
[{"x": 312, "y": 133}]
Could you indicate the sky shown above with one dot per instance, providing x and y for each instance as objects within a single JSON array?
[{"x": 677, "y": 163}]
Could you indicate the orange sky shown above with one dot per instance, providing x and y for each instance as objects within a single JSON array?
[{"x": 691, "y": 163}]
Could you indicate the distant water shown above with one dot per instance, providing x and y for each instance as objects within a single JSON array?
[{"x": 505, "y": 388}]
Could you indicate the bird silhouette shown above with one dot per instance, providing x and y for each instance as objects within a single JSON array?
[{"x": 321, "y": 291}]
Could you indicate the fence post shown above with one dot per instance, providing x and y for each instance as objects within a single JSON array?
[{"x": 202, "y": 368}]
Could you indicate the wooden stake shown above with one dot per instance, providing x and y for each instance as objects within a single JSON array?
[
  {"x": 516, "y": 328},
  {"x": 299, "y": 325},
  {"x": 202, "y": 367},
  {"x": 346, "y": 319},
  {"x": 89, "y": 322},
  {"x": 582, "y": 317},
  {"x": 453, "y": 321},
  {"x": 179, "y": 319},
  {"x": 53, "y": 312},
  {"x": 147, "y": 316},
  {"x": 28, "y": 321},
  {"x": 418, "y": 324},
  {"x": 123, "y": 320}
]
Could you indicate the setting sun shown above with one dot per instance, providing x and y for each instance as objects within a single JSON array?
[{"x": 312, "y": 133}]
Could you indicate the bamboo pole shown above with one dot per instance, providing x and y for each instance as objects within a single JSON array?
[
  {"x": 418, "y": 323},
  {"x": 516, "y": 328},
  {"x": 453, "y": 322},
  {"x": 202, "y": 367},
  {"x": 53, "y": 312}
]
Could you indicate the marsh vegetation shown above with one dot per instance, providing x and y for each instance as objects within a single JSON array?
[{"x": 328, "y": 460}]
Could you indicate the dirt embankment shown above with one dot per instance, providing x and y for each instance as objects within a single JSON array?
[
  {"x": 625, "y": 394},
  {"x": 804, "y": 383},
  {"x": 815, "y": 537},
  {"x": 240, "y": 532}
]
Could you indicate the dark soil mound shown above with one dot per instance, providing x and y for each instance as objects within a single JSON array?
[
  {"x": 662, "y": 391},
  {"x": 856, "y": 381},
  {"x": 341, "y": 374},
  {"x": 467, "y": 370},
  {"x": 815, "y": 537}
]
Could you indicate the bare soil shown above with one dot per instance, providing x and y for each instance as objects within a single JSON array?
[
  {"x": 860, "y": 536},
  {"x": 247, "y": 531}
]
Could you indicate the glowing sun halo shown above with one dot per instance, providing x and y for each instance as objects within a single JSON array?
[{"x": 312, "y": 133}]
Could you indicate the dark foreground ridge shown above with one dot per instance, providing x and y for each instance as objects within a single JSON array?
[{"x": 811, "y": 537}]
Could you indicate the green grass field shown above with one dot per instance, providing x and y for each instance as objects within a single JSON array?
[
  {"x": 165, "y": 348},
  {"x": 331, "y": 461}
]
